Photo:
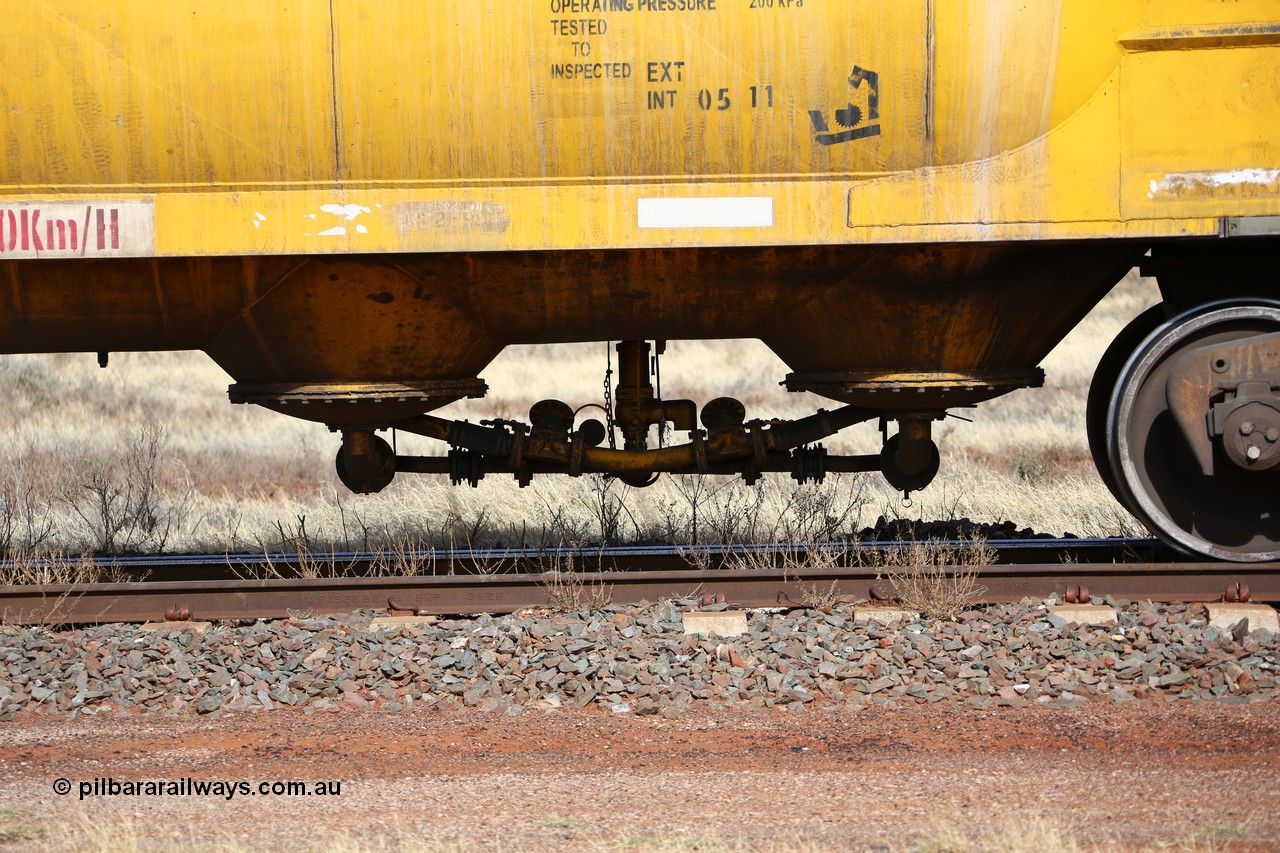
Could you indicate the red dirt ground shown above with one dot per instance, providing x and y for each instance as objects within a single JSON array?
[{"x": 1117, "y": 776}]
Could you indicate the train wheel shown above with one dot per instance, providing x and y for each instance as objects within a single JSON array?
[
  {"x": 1174, "y": 462},
  {"x": 1104, "y": 385}
]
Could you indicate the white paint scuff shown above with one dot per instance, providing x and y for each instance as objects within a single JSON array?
[
  {"x": 1196, "y": 183},
  {"x": 346, "y": 211}
]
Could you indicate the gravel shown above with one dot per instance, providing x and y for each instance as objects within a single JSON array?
[{"x": 637, "y": 660}]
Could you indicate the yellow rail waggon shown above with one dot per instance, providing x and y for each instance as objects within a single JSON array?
[{"x": 353, "y": 207}]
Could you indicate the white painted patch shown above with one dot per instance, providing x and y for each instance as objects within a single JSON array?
[
  {"x": 308, "y": 216},
  {"x": 335, "y": 231},
  {"x": 1226, "y": 182},
  {"x": 725, "y": 212},
  {"x": 347, "y": 211},
  {"x": 361, "y": 229},
  {"x": 88, "y": 229}
]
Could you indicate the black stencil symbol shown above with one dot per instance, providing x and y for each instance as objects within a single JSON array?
[{"x": 850, "y": 116}]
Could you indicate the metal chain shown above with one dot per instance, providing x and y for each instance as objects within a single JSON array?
[
  {"x": 608, "y": 394},
  {"x": 657, "y": 374}
]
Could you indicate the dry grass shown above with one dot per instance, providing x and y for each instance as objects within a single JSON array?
[
  {"x": 935, "y": 579},
  {"x": 568, "y": 592},
  {"x": 819, "y": 597},
  {"x": 147, "y": 454},
  {"x": 50, "y": 566},
  {"x": 1031, "y": 838},
  {"x": 16, "y": 826},
  {"x": 1043, "y": 837},
  {"x": 405, "y": 558},
  {"x": 85, "y": 834}
]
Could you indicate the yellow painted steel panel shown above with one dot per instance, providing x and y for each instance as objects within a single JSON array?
[
  {"x": 1203, "y": 138},
  {"x": 441, "y": 125},
  {"x": 557, "y": 90},
  {"x": 164, "y": 96},
  {"x": 1181, "y": 15}
]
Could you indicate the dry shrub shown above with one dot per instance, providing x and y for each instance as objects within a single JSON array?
[
  {"x": 795, "y": 559},
  {"x": 567, "y": 591},
  {"x": 42, "y": 567},
  {"x": 473, "y": 563},
  {"x": 305, "y": 561},
  {"x": 405, "y": 557},
  {"x": 819, "y": 597},
  {"x": 45, "y": 567},
  {"x": 307, "y": 564},
  {"x": 130, "y": 503},
  {"x": 935, "y": 578}
]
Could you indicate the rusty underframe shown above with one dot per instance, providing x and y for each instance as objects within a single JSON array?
[{"x": 727, "y": 444}]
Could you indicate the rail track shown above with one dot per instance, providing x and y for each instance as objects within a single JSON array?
[{"x": 244, "y": 587}]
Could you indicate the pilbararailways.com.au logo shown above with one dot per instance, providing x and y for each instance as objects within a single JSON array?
[
  {"x": 189, "y": 787},
  {"x": 99, "y": 229}
]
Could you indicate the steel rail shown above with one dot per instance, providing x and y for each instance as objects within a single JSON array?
[
  {"x": 504, "y": 593},
  {"x": 189, "y": 567}
]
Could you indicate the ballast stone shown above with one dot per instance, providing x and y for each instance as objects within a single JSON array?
[{"x": 639, "y": 659}]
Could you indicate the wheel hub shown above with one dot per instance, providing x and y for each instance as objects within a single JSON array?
[{"x": 1251, "y": 436}]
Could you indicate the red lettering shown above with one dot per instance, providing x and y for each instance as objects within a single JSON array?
[
  {"x": 35, "y": 231},
  {"x": 44, "y": 228},
  {"x": 84, "y": 232}
]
